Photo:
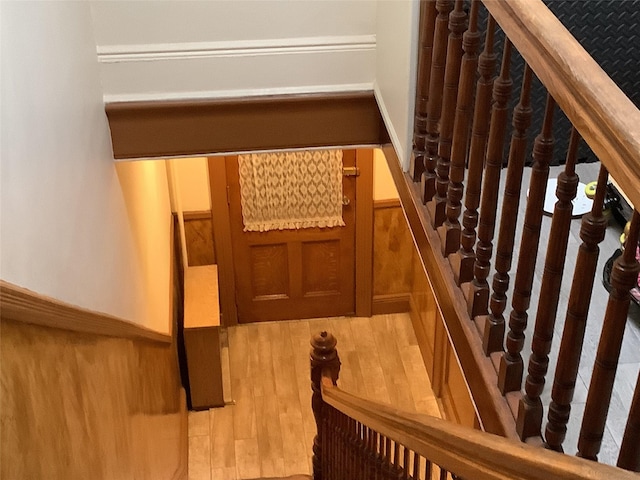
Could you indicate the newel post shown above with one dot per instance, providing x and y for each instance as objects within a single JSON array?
[{"x": 323, "y": 356}]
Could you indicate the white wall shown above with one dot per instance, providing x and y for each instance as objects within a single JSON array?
[
  {"x": 146, "y": 192},
  {"x": 184, "y": 49},
  {"x": 64, "y": 230},
  {"x": 396, "y": 50},
  {"x": 383, "y": 186},
  {"x": 192, "y": 184}
]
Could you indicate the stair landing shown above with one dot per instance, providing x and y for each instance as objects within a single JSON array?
[{"x": 267, "y": 433}]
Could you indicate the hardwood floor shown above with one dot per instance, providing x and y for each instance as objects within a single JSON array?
[{"x": 268, "y": 430}]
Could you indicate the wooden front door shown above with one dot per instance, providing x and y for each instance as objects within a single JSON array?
[{"x": 289, "y": 274}]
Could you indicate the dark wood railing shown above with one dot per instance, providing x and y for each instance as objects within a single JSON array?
[
  {"x": 461, "y": 148},
  {"x": 363, "y": 440}
]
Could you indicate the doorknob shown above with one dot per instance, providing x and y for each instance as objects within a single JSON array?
[{"x": 345, "y": 201}]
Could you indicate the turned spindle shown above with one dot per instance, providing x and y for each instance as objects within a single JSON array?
[{"x": 462, "y": 261}]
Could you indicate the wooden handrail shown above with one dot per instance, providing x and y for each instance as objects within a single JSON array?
[
  {"x": 22, "y": 305},
  {"x": 466, "y": 452},
  {"x": 606, "y": 119}
]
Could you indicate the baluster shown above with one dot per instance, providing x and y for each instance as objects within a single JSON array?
[
  {"x": 416, "y": 466},
  {"x": 428, "y": 467},
  {"x": 450, "y": 232},
  {"x": 478, "y": 290},
  {"x": 334, "y": 458},
  {"x": 629, "y": 457},
  {"x": 362, "y": 465},
  {"x": 592, "y": 232},
  {"x": 443, "y": 474},
  {"x": 493, "y": 337},
  {"x": 457, "y": 26},
  {"x": 333, "y": 441},
  {"x": 434, "y": 104},
  {"x": 378, "y": 453},
  {"x": 387, "y": 459},
  {"x": 462, "y": 261},
  {"x": 367, "y": 450},
  {"x": 427, "y": 23},
  {"x": 353, "y": 460},
  {"x": 529, "y": 422},
  {"x": 405, "y": 464},
  {"x": 373, "y": 457},
  {"x": 340, "y": 447},
  {"x": 396, "y": 461},
  {"x": 365, "y": 453},
  {"x": 511, "y": 365},
  {"x": 327, "y": 444},
  {"x": 323, "y": 356},
  {"x": 324, "y": 439},
  {"x": 624, "y": 276},
  {"x": 347, "y": 447},
  {"x": 344, "y": 447}
]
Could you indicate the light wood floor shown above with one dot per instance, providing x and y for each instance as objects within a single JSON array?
[{"x": 268, "y": 431}]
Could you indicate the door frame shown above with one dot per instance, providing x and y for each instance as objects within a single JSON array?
[{"x": 224, "y": 244}]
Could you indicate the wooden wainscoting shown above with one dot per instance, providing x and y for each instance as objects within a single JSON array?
[
  {"x": 400, "y": 285},
  {"x": 198, "y": 231},
  {"x": 80, "y": 405},
  {"x": 392, "y": 258},
  {"x": 438, "y": 354},
  {"x": 87, "y": 395}
]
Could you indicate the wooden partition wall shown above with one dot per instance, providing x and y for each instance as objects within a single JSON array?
[{"x": 93, "y": 398}]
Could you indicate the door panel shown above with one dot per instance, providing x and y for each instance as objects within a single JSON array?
[{"x": 288, "y": 274}]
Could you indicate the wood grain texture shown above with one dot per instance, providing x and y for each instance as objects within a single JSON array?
[
  {"x": 202, "y": 346},
  {"x": 196, "y": 127},
  {"x": 364, "y": 232},
  {"x": 423, "y": 315},
  {"x": 198, "y": 231},
  {"x": 606, "y": 119},
  {"x": 303, "y": 273},
  {"x": 492, "y": 408},
  {"x": 457, "y": 26},
  {"x": 427, "y": 21},
  {"x": 434, "y": 103},
  {"x": 22, "y": 305},
  {"x": 272, "y": 426},
  {"x": 392, "y": 303},
  {"x": 222, "y": 239},
  {"x": 392, "y": 250},
  {"x": 81, "y": 405},
  {"x": 467, "y": 452},
  {"x": 463, "y": 260},
  {"x": 201, "y": 306}
]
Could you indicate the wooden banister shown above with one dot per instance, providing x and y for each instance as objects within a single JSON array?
[
  {"x": 466, "y": 452},
  {"x": 458, "y": 255},
  {"x": 22, "y": 305},
  {"x": 605, "y": 118}
]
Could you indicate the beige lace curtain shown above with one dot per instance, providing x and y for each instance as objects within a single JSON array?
[{"x": 291, "y": 190}]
